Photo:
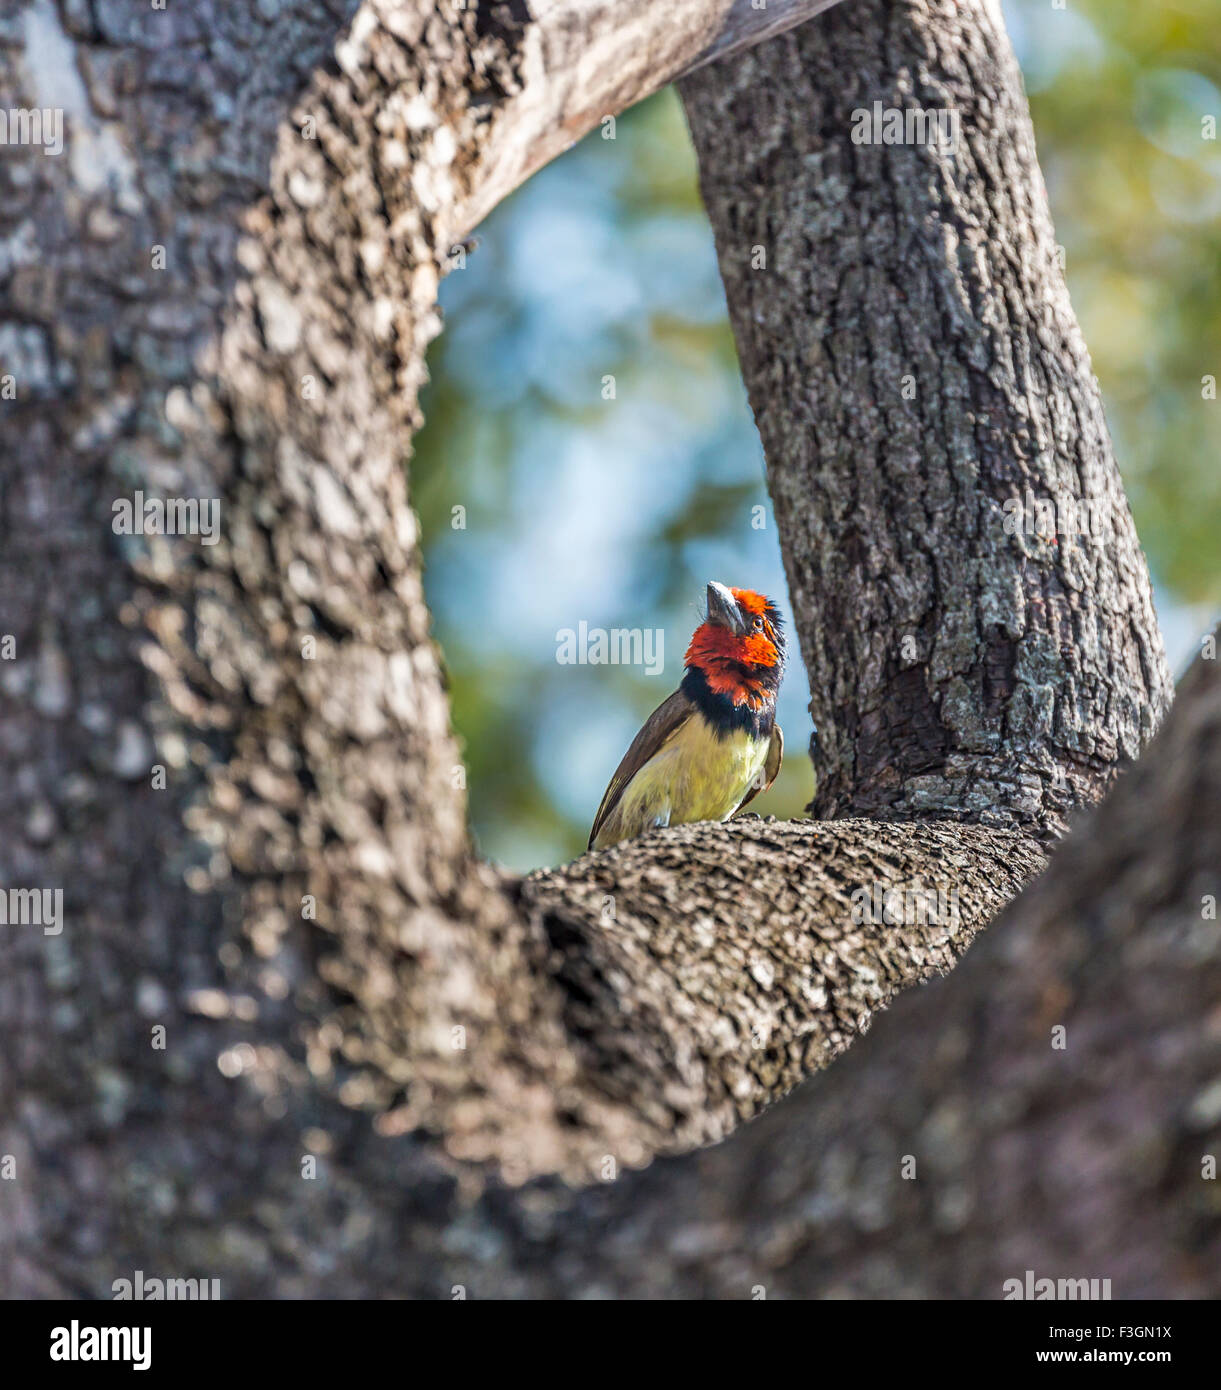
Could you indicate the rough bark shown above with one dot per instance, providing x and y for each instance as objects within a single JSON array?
[
  {"x": 1081, "y": 1160},
  {"x": 914, "y": 363},
  {"x": 430, "y": 1016},
  {"x": 706, "y": 971}
]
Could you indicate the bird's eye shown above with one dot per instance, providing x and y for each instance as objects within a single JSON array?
[{"x": 758, "y": 624}]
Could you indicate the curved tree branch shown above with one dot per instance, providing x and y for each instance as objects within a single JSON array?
[
  {"x": 707, "y": 970},
  {"x": 576, "y": 63}
]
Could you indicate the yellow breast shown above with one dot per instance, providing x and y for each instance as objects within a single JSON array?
[{"x": 693, "y": 776}]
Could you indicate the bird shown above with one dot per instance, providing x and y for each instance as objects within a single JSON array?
[{"x": 714, "y": 744}]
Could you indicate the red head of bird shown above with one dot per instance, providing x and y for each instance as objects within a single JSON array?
[
  {"x": 735, "y": 660},
  {"x": 714, "y": 744}
]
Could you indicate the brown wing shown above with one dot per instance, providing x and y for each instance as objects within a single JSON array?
[
  {"x": 669, "y": 716},
  {"x": 775, "y": 755}
]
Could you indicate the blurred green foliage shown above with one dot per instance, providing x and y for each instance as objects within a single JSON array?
[
  {"x": 573, "y": 506},
  {"x": 1126, "y": 99}
]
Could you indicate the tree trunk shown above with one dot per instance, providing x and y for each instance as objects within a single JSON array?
[
  {"x": 234, "y": 758},
  {"x": 921, "y": 386}
]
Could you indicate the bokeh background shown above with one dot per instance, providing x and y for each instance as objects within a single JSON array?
[{"x": 616, "y": 512}]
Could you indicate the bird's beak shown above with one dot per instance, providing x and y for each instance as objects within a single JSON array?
[{"x": 723, "y": 610}]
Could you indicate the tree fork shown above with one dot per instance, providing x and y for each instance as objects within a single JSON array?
[{"x": 301, "y": 905}]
